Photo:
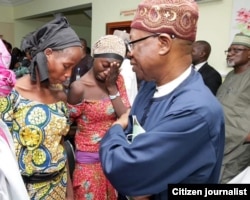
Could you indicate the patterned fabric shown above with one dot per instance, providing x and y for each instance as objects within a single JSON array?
[
  {"x": 110, "y": 46},
  {"x": 93, "y": 118},
  {"x": 7, "y": 81},
  {"x": 241, "y": 39},
  {"x": 49, "y": 190},
  {"x": 37, "y": 131},
  {"x": 175, "y": 17},
  {"x": 7, "y": 77}
]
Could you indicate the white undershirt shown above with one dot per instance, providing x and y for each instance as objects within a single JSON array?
[
  {"x": 170, "y": 86},
  {"x": 198, "y": 66}
]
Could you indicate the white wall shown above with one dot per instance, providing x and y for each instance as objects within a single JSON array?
[
  {"x": 214, "y": 26},
  {"x": 214, "y": 23},
  {"x": 36, "y": 7},
  {"x": 7, "y": 24},
  {"x": 105, "y": 11}
]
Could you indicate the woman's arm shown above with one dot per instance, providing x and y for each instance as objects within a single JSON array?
[
  {"x": 75, "y": 93},
  {"x": 116, "y": 89}
]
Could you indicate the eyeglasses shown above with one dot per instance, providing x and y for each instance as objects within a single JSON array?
[
  {"x": 130, "y": 44},
  {"x": 235, "y": 50}
]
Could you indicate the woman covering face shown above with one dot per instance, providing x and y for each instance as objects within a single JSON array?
[
  {"x": 96, "y": 100},
  {"x": 36, "y": 113}
]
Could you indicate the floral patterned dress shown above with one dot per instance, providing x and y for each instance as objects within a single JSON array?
[
  {"x": 37, "y": 131},
  {"x": 93, "y": 117}
]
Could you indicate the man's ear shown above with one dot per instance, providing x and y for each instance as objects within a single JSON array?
[
  {"x": 202, "y": 53},
  {"x": 165, "y": 43}
]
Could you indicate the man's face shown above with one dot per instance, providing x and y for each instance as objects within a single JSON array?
[
  {"x": 237, "y": 55},
  {"x": 196, "y": 53},
  {"x": 142, "y": 53}
]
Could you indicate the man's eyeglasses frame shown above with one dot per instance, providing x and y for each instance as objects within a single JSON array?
[
  {"x": 236, "y": 50},
  {"x": 130, "y": 44}
]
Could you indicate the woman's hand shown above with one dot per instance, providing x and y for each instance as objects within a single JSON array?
[{"x": 112, "y": 75}]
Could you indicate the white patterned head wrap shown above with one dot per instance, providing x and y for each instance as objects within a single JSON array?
[{"x": 109, "y": 46}]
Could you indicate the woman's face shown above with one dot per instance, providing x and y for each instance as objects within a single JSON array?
[
  {"x": 102, "y": 66},
  {"x": 61, "y": 63}
]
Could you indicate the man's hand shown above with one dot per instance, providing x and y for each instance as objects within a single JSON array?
[{"x": 123, "y": 120}]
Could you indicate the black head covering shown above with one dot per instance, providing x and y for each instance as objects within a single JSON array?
[{"x": 56, "y": 34}]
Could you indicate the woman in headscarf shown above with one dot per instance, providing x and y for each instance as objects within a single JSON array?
[
  {"x": 36, "y": 113},
  {"x": 11, "y": 183},
  {"x": 97, "y": 99}
]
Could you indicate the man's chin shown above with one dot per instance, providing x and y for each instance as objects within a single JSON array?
[{"x": 230, "y": 64}]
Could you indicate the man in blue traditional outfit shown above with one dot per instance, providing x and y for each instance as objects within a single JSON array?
[{"x": 174, "y": 132}]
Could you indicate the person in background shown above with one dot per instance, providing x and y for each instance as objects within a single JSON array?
[
  {"x": 234, "y": 97},
  {"x": 84, "y": 65},
  {"x": 200, "y": 54},
  {"x": 168, "y": 132},
  {"x": 36, "y": 111},
  {"x": 16, "y": 57},
  {"x": 8, "y": 45},
  {"x": 22, "y": 67},
  {"x": 11, "y": 183},
  {"x": 96, "y": 100},
  {"x": 88, "y": 50},
  {"x": 126, "y": 71}
]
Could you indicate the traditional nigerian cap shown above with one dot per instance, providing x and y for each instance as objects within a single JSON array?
[
  {"x": 122, "y": 34},
  {"x": 174, "y": 17},
  {"x": 109, "y": 46},
  {"x": 5, "y": 57},
  {"x": 241, "y": 39}
]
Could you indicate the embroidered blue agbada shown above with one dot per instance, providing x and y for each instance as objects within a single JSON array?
[{"x": 183, "y": 143}]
